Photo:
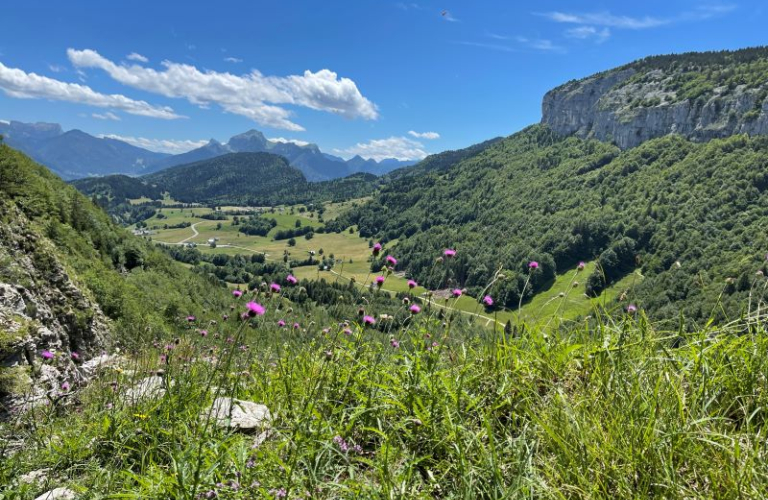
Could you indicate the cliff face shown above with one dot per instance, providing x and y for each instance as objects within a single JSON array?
[
  {"x": 701, "y": 100},
  {"x": 42, "y": 309}
]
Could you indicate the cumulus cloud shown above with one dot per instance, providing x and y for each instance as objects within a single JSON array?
[
  {"x": 234, "y": 60},
  {"x": 283, "y": 140},
  {"x": 133, "y": 56},
  {"x": 159, "y": 145},
  {"x": 106, "y": 116},
  {"x": 424, "y": 135},
  {"x": 400, "y": 148},
  {"x": 20, "y": 84},
  {"x": 252, "y": 95}
]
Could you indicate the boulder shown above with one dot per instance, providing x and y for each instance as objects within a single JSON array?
[
  {"x": 238, "y": 414},
  {"x": 58, "y": 494}
]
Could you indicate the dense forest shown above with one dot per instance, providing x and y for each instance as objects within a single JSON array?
[{"x": 689, "y": 216}]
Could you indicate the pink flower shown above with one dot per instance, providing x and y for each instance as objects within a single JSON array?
[
  {"x": 368, "y": 320},
  {"x": 296, "y": 326},
  {"x": 190, "y": 318},
  {"x": 237, "y": 293},
  {"x": 281, "y": 323},
  {"x": 376, "y": 249},
  {"x": 415, "y": 309},
  {"x": 394, "y": 343},
  {"x": 581, "y": 266},
  {"x": 412, "y": 284},
  {"x": 347, "y": 331},
  {"x": 75, "y": 356},
  {"x": 456, "y": 292},
  {"x": 532, "y": 265},
  {"x": 46, "y": 354},
  {"x": 488, "y": 300},
  {"x": 274, "y": 287},
  {"x": 631, "y": 309},
  {"x": 380, "y": 280},
  {"x": 291, "y": 279},
  {"x": 449, "y": 253},
  {"x": 65, "y": 386},
  {"x": 203, "y": 333},
  {"x": 391, "y": 260},
  {"x": 255, "y": 309}
]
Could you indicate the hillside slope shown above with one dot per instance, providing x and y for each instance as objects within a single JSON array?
[
  {"x": 73, "y": 282},
  {"x": 690, "y": 216},
  {"x": 701, "y": 96}
]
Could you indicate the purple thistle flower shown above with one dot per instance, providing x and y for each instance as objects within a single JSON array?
[
  {"x": 581, "y": 266},
  {"x": 631, "y": 309},
  {"x": 488, "y": 300},
  {"x": 449, "y": 253},
  {"x": 380, "y": 280},
  {"x": 274, "y": 287},
  {"x": 533, "y": 265},
  {"x": 391, "y": 260},
  {"x": 368, "y": 320},
  {"x": 65, "y": 386},
  {"x": 291, "y": 279},
  {"x": 203, "y": 333},
  {"x": 255, "y": 309},
  {"x": 412, "y": 284},
  {"x": 46, "y": 354},
  {"x": 296, "y": 326},
  {"x": 394, "y": 343},
  {"x": 191, "y": 318},
  {"x": 75, "y": 356},
  {"x": 456, "y": 292},
  {"x": 376, "y": 249},
  {"x": 237, "y": 293},
  {"x": 347, "y": 331},
  {"x": 415, "y": 309},
  {"x": 281, "y": 323}
]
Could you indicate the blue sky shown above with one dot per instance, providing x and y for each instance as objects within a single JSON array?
[{"x": 376, "y": 77}]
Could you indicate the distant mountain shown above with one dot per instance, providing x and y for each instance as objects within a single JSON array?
[
  {"x": 75, "y": 154},
  {"x": 313, "y": 163}
]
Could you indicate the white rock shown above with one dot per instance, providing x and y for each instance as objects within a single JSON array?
[
  {"x": 35, "y": 476},
  {"x": 238, "y": 414},
  {"x": 58, "y": 494},
  {"x": 150, "y": 387}
]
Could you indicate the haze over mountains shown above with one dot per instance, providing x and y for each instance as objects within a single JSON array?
[{"x": 75, "y": 154}]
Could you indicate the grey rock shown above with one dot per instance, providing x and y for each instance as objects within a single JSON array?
[
  {"x": 58, "y": 494},
  {"x": 147, "y": 388},
  {"x": 35, "y": 476},
  {"x": 238, "y": 414}
]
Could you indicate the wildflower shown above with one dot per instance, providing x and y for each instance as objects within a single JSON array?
[
  {"x": 394, "y": 343},
  {"x": 412, "y": 284},
  {"x": 581, "y": 266},
  {"x": 191, "y": 318},
  {"x": 65, "y": 386},
  {"x": 488, "y": 300},
  {"x": 368, "y": 320},
  {"x": 533, "y": 265},
  {"x": 75, "y": 356},
  {"x": 380, "y": 280},
  {"x": 376, "y": 249},
  {"x": 391, "y": 260},
  {"x": 237, "y": 294},
  {"x": 281, "y": 323},
  {"x": 449, "y": 253},
  {"x": 141, "y": 416},
  {"x": 203, "y": 333},
  {"x": 291, "y": 279},
  {"x": 296, "y": 326},
  {"x": 456, "y": 292},
  {"x": 275, "y": 287},
  {"x": 47, "y": 355},
  {"x": 347, "y": 331},
  {"x": 255, "y": 309},
  {"x": 415, "y": 309},
  {"x": 631, "y": 309},
  {"x": 225, "y": 317},
  {"x": 281, "y": 493}
]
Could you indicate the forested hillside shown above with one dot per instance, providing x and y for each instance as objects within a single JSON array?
[{"x": 691, "y": 217}]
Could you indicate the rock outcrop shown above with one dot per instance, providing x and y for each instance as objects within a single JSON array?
[
  {"x": 49, "y": 326},
  {"x": 641, "y": 101}
]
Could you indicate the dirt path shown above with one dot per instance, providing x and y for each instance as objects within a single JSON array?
[{"x": 194, "y": 230}]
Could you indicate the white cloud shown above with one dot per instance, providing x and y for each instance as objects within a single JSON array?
[
  {"x": 539, "y": 44},
  {"x": 5, "y": 122},
  {"x": 400, "y": 148},
  {"x": 234, "y": 60},
  {"x": 424, "y": 135},
  {"x": 20, "y": 84},
  {"x": 298, "y": 142},
  {"x": 106, "y": 116},
  {"x": 589, "y": 32},
  {"x": 607, "y": 19},
  {"x": 245, "y": 95},
  {"x": 133, "y": 56},
  {"x": 159, "y": 145},
  {"x": 56, "y": 68}
]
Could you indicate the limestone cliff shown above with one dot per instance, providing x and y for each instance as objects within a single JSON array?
[{"x": 700, "y": 96}]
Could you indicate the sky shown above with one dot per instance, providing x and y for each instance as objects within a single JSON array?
[{"x": 378, "y": 78}]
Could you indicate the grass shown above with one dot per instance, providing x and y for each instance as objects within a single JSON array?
[{"x": 424, "y": 409}]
